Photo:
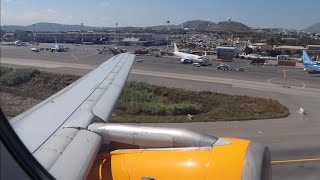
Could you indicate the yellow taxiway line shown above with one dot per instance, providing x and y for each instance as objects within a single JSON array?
[
  {"x": 100, "y": 169},
  {"x": 303, "y": 85},
  {"x": 295, "y": 160}
]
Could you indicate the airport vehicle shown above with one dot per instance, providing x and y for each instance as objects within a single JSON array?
[
  {"x": 116, "y": 50},
  {"x": 249, "y": 56},
  {"x": 189, "y": 58},
  {"x": 35, "y": 49},
  {"x": 282, "y": 57},
  {"x": 225, "y": 53},
  {"x": 225, "y": 67},
  {"x": 257, "y": 62},
  {"x": 242, "y": 56},
  {"x": 310, "y": 66},
  {"x": 240, "y": 69},
  {"x": 65, "y": 132},
  {"x": 253, "y": 56}
]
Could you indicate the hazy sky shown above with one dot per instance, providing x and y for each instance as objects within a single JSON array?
[{"x": 296, "y": 14}]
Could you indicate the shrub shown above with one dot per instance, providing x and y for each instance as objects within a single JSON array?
[
  {"x": 4, "y": 70},
  {"x": 18, "y": 76},
  {"x": 139, "y": 86},
  {"x": 140, "y": 97},
  {"x": 184, "y": 108},
  {"x": 154, "y": 108}
]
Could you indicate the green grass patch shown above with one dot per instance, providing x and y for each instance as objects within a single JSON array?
[
  {"x": 141, "y": 102},
  {"x": 17, "y": 76},
  {"x": 143, "y": 98}
]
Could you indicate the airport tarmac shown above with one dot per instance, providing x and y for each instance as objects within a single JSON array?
[{"x": 294, "y": 141}]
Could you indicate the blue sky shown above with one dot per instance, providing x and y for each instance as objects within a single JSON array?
[{"x": 255, "y": 13}]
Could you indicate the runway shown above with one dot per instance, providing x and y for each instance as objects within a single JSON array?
[{"x": 294, "y": 141}]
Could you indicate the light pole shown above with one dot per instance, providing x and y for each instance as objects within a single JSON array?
[
  {"x": 81, "y": 32},
  {"x": 34, "y": 32},
  {"x": 5, "y": 31},
  {"x": 117, "y": 34}
]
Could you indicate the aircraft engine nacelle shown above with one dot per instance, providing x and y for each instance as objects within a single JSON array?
[
  {"x": 183, "y": 61},
  {"x": 239, "y": 159}
]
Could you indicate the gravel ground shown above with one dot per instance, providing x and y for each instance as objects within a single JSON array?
[{"x": 13, "y": 104}]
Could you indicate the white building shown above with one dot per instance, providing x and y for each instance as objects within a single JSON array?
[
  {"x": 314, "y": 49},
  {"x": 289, "y": 49}
]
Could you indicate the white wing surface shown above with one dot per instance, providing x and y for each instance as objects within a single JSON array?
[{"x": 55, "y": 130}]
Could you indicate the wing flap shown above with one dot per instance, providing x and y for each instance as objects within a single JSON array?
[
  {"x": 75, "y": 162},
  {"x": 106, "y": 103},
  {"x": 104, "y": 107},
  {"x": 48, "y": 154}
]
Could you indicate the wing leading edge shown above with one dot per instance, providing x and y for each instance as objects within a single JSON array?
[{"x": 53, "y": 129}]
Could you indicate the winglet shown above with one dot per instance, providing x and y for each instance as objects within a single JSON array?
[{"x": 175, "y": 47}]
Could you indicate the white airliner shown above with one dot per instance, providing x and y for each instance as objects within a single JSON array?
[
  {"x": 58, "y": 47},
  {"x": 189, "y": 58}
]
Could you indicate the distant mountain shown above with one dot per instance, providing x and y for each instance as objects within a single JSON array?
[
  {"x": 197, "y": 24},
  {"x": 51, "y": 27},
  {"x": 230, "y": 26},
  {"x": 314, "y": 28}
]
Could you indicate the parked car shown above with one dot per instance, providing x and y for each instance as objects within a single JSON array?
[{"x": 223, "y": 67}]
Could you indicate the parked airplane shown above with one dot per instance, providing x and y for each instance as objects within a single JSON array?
[
  {"x": 15, "y": 43},
  {"x": 58, "y": 47},
  {"x": 189, "y": 58},
  {"x": 18, "y": 43},
  {"x": 309, "y": 65},
  {"x": 103, "y": 39},
  {"x": 64, "y": 136}
]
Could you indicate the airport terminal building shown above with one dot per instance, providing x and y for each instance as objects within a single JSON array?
[
  {"x": 314, "y": 49},
  {"x": 289, "y": 49},
  {"x": 99, "y": 37}
]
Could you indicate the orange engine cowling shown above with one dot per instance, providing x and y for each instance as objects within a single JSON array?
[{"x": 233, "y": 160}]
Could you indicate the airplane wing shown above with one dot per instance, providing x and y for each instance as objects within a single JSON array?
[{"x": 55, "y": 131}]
